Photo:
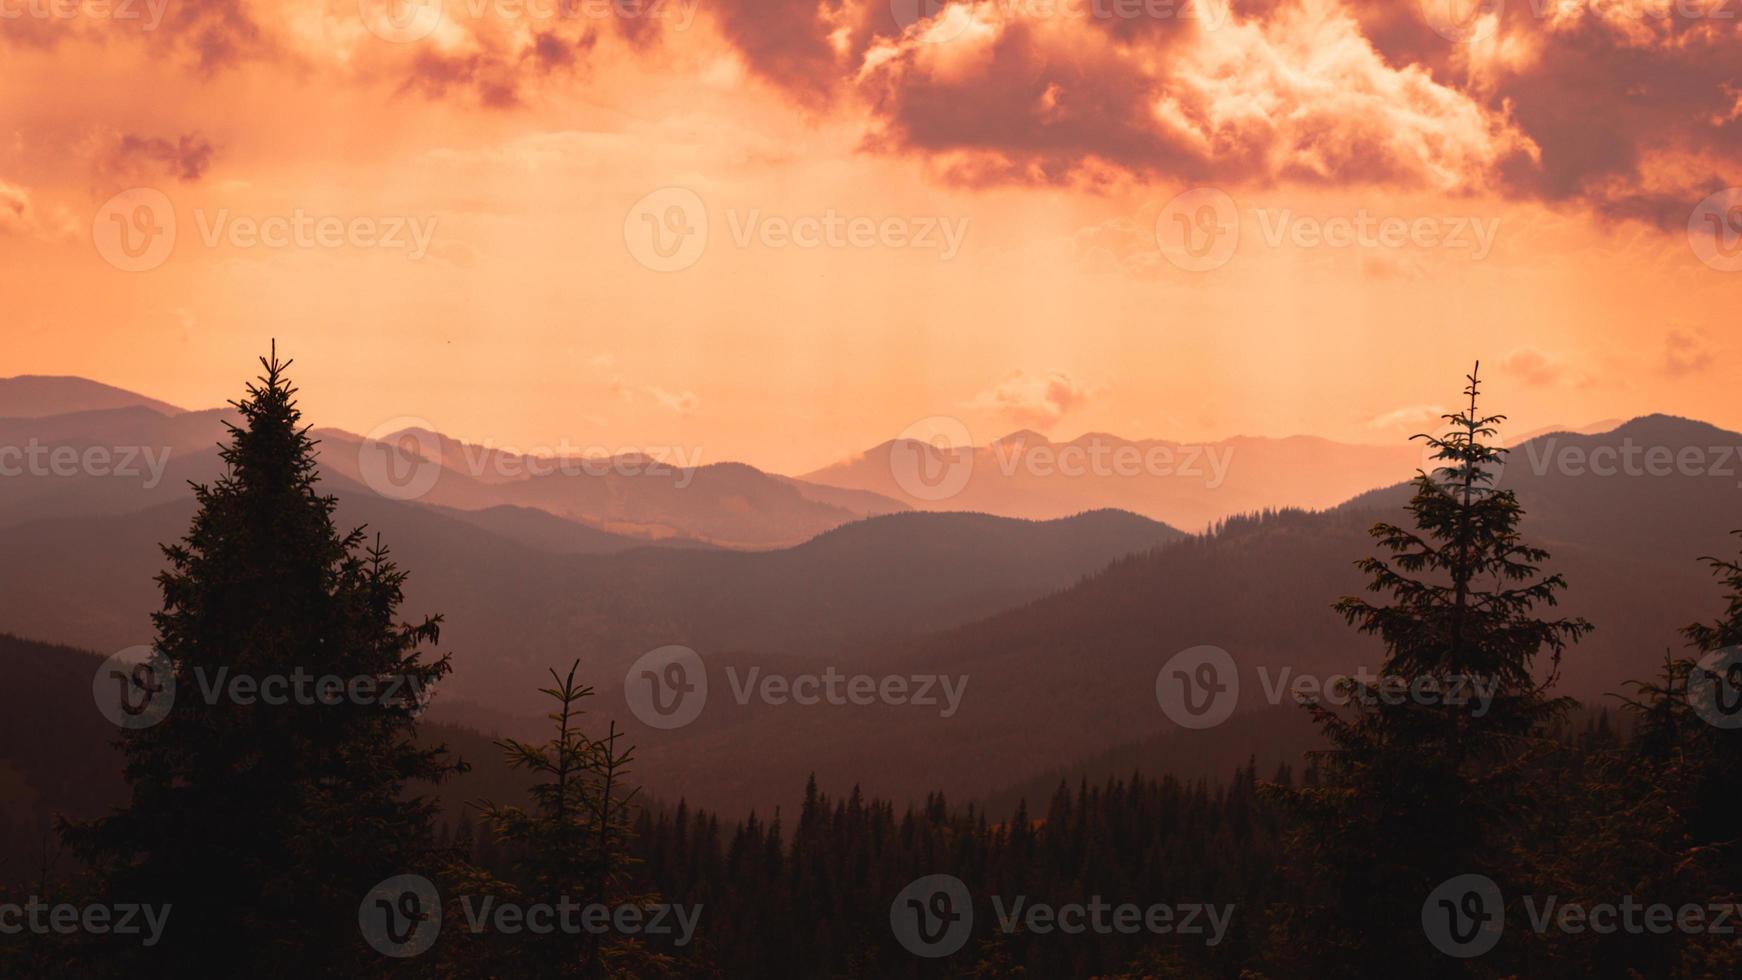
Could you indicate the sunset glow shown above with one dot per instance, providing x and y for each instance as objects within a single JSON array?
[{"x": 1517, "y": 187}]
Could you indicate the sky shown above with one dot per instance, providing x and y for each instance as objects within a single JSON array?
[{"x": 784, "y": 232}]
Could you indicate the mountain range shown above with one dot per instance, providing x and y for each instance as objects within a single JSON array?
[
  {"x": 1072, "y": 675},
  {"x": 637, "y": 499},
  {"x": 1058, "y": 626},
  {"x": 88, "y": 579},
  {"x": 619, "y": 502},
  {"x": 1188, "y": 485}
]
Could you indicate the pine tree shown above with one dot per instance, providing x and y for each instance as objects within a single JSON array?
[
  {"x": 1609, "y": 822},
  {"x": 573, "y": 839},
  {"x": 262, "y": 824},
  {"x": 1672, "y": 797},
  {"x": 1417, "y": 790},
  {"x": 1715, "y": 739}
]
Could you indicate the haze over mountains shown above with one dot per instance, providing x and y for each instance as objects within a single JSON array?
[
  {"x": 1058, "y": 627},
  {"x": 1074, "y": 674},
  {"x": 673, "y": 496},
  {"x": 1188, "y": 485},
  {"x": 621, "y": 502},
  {"x": 527, "y": 585}
]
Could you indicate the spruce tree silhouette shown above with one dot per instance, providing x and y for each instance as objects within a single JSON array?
[
  {"x": 1418, "y": 789},
  {"x": 264, "y": 824},
  {"x": 1715, "y": 742},
  {"x": 1672, "y": 797},
  {"x": 573, "y": 841}
]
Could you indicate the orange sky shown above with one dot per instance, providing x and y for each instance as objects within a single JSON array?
[{"x": 985, "y": 190}]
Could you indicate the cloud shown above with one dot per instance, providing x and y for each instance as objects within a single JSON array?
[
  {"x": 1629, "y": 108},
  {"x": 1300, "y": 96},
  {"x": 32, "y": 214},
  {"x": 207, "y": 34},
  {"x": 1534, "y": 368},
  {"x": 494, "y": 67},
  {"x": 1125, "y": 244},
  {"x": 1038, "y": 402},
  {"x": 132, "y": 157},
  {"x": 1686, "y": 352},
  {"x": 1408, "y": 416},
  {"x": 681, "y": 403},
  {"x": 1629, "y": 105},
  {"x": 485, "y": 76},
  {"x": 787, "y": 42},
  {"x": 488, "y": 54},
  {"x": 15, "y": 212}
]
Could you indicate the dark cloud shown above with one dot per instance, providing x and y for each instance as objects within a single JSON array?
[
  {"x": 1631, "y": 104},
  {"x": 218, "y": 33},
  {"x": 184, "y": 158},
  {"x": 1631, "y": 108},
  {"x": 497, "y": 75},
  {"x": 210, "y": 34},
  {"x": 1035, "y": 114},
  {"x": 1618, "y": 106},
  {"x": 787, "y": 43},
  {"x": 492, "y": 81},
  {"x": 551, "y": 51},
  {"x": 1603, "y": 109},
  {"x": 1055, "y": 100}
]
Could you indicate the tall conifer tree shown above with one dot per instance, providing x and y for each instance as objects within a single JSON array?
[
  {"x": 1418, "y": 789},
  {"x": 263, "y": 824}
]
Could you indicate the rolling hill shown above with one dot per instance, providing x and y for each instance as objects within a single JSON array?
[
  {"x": 1072, "y": 675},
  {"x": 513, "y": 609}
]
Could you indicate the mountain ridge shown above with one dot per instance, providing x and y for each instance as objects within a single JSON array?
[{"x": 38, "y": 395}]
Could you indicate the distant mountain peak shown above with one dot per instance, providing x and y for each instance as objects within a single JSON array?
[
  {"x": 1023, "y": 437},
  {"x": 1664, "y": 427},
  {"x": 35, "y": 396},
  {"x": 1594, "y": 428}
]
